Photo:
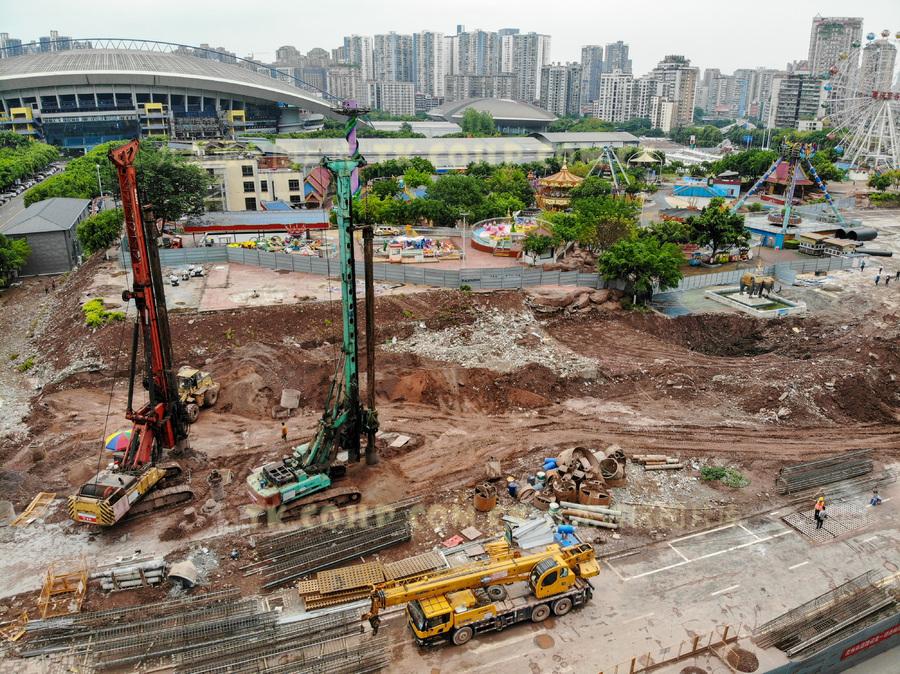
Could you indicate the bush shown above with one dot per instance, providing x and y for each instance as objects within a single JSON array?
[
  {"x": 755, "y": 207},
  {"x": 96, "y": 316},
  {"x": 730, "y": 477},
  {"x": 26, "y": 365},
  {"x": 791, "y": 244}
]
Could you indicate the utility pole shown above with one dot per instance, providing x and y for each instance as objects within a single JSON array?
[{"x": 464, "y": 240}]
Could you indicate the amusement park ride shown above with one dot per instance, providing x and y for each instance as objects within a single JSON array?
[
  {"x": 866, "y": 120},
  {"x": 797, "y": 156}
]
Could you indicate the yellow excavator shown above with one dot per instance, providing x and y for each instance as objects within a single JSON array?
[{"x": 508, "y": 588}]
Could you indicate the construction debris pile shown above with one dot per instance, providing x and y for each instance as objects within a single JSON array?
[
  {"x": 812, "y": 474},
  {"x": 351, "y": 583},
  {"x": 286, "y": 557},
  {"x": 211, "y": 632},
  {"x": 501, "y": 340}
]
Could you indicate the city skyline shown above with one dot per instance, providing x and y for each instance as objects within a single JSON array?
[{"x": 708, "y": 36}]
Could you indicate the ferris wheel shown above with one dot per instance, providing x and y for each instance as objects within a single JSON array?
[{"x": 861, "y": 108}]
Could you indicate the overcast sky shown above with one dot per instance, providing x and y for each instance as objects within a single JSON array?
[{"x": 713, "y": 34}]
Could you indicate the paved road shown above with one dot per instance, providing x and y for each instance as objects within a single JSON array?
[{"x": 743, "y": 573}]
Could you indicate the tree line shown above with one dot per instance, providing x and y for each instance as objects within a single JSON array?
[{"x": 21, "y": 157}]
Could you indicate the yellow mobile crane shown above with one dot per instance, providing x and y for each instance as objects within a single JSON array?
[{"x": 486, "y": 596}]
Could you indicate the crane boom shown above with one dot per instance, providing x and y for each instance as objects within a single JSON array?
[{"x": 500, "y": 570}]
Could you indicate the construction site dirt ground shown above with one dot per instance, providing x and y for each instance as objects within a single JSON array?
[{"x": 466, "y": 376}]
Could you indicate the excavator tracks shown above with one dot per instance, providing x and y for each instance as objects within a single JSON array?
[
  {"x": 337, "y": 497},
  {"x": 159, "y": 499}
]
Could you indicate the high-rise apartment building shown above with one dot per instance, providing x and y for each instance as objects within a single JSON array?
[
  {"x": 677, "y": 81},
  {"x": 346, "y": 83},
  {"x": 796, "y": 97},
  {"x": 358, "y": 52},
  {"x": 617, "y": 58},
  {"x": 561, "y": 89},
  {"x": 876, "y": 69},
  {"x": 532, "y": 53},
  {"x": 591, "y": 69},
  {"x": 829, "y": 37},
  {"x": 10, "y": 46},
  {"x": 459, "y": 87},
  {"x": 395, "y": 98},
  {"x": 392, "y": 55},
  {"x": 615, "y": 97},
  {"x": 430, "y": 60}
]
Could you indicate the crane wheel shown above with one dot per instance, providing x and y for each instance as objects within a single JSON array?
[
  {"x": 562, "y": 606},
  {"x": 212, "y": 395},
  {"x": 540, "y": 613},
  {"x": 193, "y": 411},
  {"x": 496, "y": 592},
  {"x": 463, "y": 635}
]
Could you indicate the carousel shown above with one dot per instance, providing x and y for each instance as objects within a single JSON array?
[{"x": 554, "y": 192}]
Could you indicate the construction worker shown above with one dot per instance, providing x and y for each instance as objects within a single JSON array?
[
  {"x": 862, "y": 265},
  {"x": 284, "y": 432},
  {"x": 819, "y": 513},
  {"x": 876, "y": 499}
]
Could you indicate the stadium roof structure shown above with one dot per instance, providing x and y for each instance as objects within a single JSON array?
[
  {"x": 158, "y": 68},
  {"x": 501, "y": 109}
]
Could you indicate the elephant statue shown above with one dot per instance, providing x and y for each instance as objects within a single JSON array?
[{"x": 757, "y": 285}]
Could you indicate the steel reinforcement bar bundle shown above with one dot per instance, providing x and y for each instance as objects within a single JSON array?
[
  {"x": 814, "y": 624},
  {"x": 75, "y": 632},
  {"x": 329, "y": 642},
  {"x": 142, "y": 640},
  {"x": 291, "y": 556},
  {"x": 825, "y": 471}
]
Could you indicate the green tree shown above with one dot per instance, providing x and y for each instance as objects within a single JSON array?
[
  {"x": 100, "y": 231},
  {"x": 566, "y": 227},
  {"x": 884, "y": 180},
  {"x": 511, "y": 180},
  {"x": 385, "y": 188},
  {"x": 667, "y": 231},
  {"x": 593, "y": 186},
  {"x": 480, "y": 169},
  {"x": 642, "y": 263},
  {"x": 414, "y": 178},
  {"x": 497, "y": 205},
  {"x": 475, "y": 123},
  {"x": 13, "y": 256},
  {"x": 21, "y": 157},
  {"x": 459, "y": 192},
  {"x": 718, "y": 228},
  {"x": 605, "y": 220},
  {"x": 536, "y": 244}
]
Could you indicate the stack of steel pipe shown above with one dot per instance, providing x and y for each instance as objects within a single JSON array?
[
  {"x": 591, "y": 515},
  {"x": 814, "y": 474},
  {"x": 657, "y": 461}
]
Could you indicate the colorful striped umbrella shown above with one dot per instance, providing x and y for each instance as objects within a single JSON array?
[{"x": 118, "y": 441}]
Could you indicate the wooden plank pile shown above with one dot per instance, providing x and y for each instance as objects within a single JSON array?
[
  {"x": 657, "y": 461},
  {"x": 352, "y": 583}
]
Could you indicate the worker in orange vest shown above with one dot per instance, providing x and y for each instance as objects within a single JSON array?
[{"x": 820, "y": 512}]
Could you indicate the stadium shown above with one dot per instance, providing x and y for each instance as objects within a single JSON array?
[{"x": 118, "y": 89}]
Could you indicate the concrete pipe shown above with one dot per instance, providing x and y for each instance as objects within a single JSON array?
[
  {"x": 591, "y": 508},
  {"x": 595, "y": 523},
  {"x": 665, "y": 466}
]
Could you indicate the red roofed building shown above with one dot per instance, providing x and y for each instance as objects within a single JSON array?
[{"x": 778, "y": 182}]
